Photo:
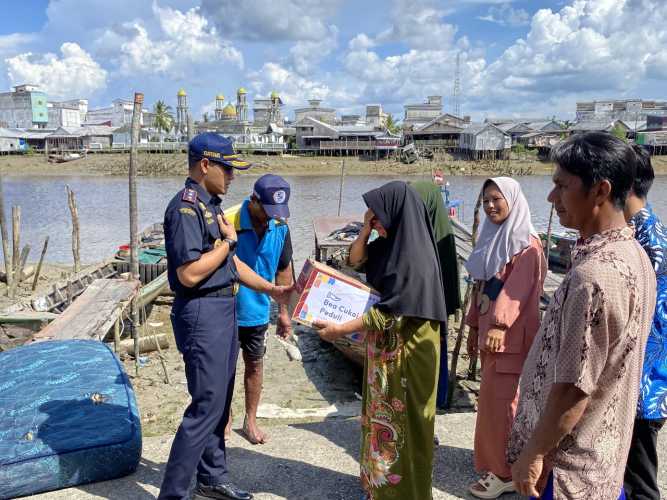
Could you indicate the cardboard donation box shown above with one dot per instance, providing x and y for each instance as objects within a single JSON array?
[{"x": 329, "y": 295}]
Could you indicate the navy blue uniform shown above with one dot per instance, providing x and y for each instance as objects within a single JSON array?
[{"x": 204, "y": 322}]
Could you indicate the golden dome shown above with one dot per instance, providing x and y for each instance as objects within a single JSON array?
[
  {"x": 242, "y": 91},
  {"x": 274, "y": 95},
  {"x": 181, "y": 93},
  {"x": 229, "y": 111},
  {"x": 220, "y": 97}
]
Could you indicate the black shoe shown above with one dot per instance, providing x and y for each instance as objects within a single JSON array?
[{"x": 225, "y": 491}]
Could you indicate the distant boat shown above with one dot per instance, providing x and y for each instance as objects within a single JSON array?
[
  {"x": 65, "y": 157},
  {"x": 560, "y": 254}
]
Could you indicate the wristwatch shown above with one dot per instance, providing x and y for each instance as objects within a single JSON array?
[{"x": 231, "y": 243}]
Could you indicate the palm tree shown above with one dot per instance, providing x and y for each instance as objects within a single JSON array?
[
  {"x": 163, "y": 119},
  {"x": 392, "y": 126}
]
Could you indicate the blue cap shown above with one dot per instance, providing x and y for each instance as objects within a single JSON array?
[
  {"x": 216, "y": 148},
  {"x": 273, "y": 193}
]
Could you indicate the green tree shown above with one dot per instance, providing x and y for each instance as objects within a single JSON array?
[
  {"x": 163, "y": 119},
  {"x": 619, "y": 131},
  {"x": 392, "y": 125}
]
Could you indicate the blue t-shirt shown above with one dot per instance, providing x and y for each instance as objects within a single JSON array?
[{"x": 266, "y": 257}]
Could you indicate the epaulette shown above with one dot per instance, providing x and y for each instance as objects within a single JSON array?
[{"x": 189, "y": 195}]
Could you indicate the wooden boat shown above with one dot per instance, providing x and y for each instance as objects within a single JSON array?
[
  {"x": 63, "y": 158},
  {"x": 25, "y": 319},
  {"x": 560, "y": 252}
]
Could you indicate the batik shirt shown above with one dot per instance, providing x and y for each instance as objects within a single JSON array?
[
  {"x": 652, "y": 236},
  {"x": 593, "y": 336}
]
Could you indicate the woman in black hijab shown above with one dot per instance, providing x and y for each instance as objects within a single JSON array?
[{"x": 403, "y": 343}]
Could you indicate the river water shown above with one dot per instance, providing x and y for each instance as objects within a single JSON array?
[{"x": 103, "y": 206}]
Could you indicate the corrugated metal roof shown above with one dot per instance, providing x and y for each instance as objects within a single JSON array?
[
  {"x": 592, "y": 125},
  {"x": 10, "y": 134}
]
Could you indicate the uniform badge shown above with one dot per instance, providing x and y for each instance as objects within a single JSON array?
[
  {"x": 189, "y": 195},
  {"x": 187, "y": 211},
  {"x": 202, "y": 206},
  {"x": 209, "y": 217}
]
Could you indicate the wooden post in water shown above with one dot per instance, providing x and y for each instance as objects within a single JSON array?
[
  {"x": 134, "y": 221},
  {"x": 5, "y": 240},
  {"x": 76, "y": 240},
  {"x": 39, "y": 265},
  {"x": 466, "y": 302},
  {"x": 19, "y": 271},
  {"x": 342, "y": 184},
  {"x": 16, "y": 238}
]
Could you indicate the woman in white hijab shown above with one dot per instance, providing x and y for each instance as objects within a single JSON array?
[{"x": 509, "y": 268}]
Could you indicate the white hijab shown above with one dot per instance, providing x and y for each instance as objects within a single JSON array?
[{"x": 497, "y": 244}]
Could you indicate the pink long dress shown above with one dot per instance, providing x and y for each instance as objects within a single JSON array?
[{"x": 517, "y": 309}]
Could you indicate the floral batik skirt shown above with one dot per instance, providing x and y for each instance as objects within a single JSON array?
[{"x": 398, "y": 415}]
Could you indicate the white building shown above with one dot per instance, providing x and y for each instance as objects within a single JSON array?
[
  {"x": 81, "y": 105},
  {"x": 63, "y": 114},
  {"x": 24, "y": 107},
  {"x": 417, "y": 115},
  {"x": 117, "y": 115},
  {"x": 621, "y": 109}
]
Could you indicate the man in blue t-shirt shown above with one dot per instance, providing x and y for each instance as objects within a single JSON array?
[{"x": 264, "y": 244}]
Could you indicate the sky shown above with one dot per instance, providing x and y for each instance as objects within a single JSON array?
[{"x": 517, "y": 57}]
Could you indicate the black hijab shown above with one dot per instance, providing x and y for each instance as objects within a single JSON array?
[{"x": 404, "y": 266}]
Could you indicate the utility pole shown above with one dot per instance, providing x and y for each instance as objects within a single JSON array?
[{"x": 456, "y": 98}]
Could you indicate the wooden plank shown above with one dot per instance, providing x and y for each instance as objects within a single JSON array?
[
  {"x": 21, "y": 317},
  {"x": 94, "y": 313}
]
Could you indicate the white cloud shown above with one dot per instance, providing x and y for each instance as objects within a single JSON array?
[
  {"x": 420, "y": 24},
  {"x": 291, "y": 87},
  {"x": 72, "y": 75},
  {"x": 506, "y": 15},
  {"x": 184, "y": 38},
  {"x": 272, "y": 20},
  {"x": 602, "y": 46},
  {"x": 306, "y": 54},
  {"x": 361, "y": 42},
  {"x": 14, "y": 41}
]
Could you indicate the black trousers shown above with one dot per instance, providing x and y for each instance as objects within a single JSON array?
[
  {"x": 206, "y": 335},
  {"x": 641, "y": 471}
]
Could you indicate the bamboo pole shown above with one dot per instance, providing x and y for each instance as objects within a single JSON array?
[
  {"x": 16, "y": 238},
  {"x": 39, "y": 265},
  {"x": 76, "y": 239},
  {"x": 116, "y": 336},
  {"x": 5, "y": 240},
  {"x": 19, "y": 270},
  {"x": 466, "y": 302},
  {"x": 549, "y": 229},
  {"x": 134, "y": 220},
  {"x": 342, "y": 184},
  {"x": 472, "y": 365}
]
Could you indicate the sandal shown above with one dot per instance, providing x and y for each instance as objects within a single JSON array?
[{"x": 493, "y": 486}]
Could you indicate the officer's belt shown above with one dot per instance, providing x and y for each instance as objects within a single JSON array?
[{"x": 228, "y": 291}]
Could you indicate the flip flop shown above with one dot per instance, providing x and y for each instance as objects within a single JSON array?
[{"x": 493, "y": 485}]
